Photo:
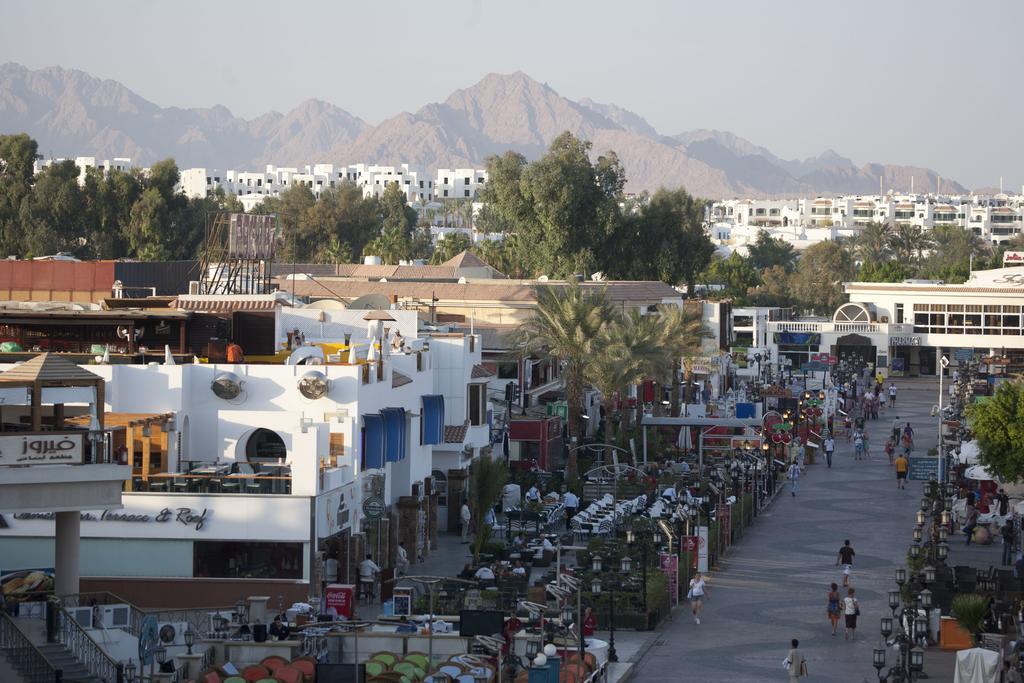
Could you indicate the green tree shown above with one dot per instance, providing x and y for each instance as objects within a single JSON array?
[
  {"x": 575, "y": 204},
  {"x": 391, "y": 246},
  {"x": 487, "y": 478},
  {"x": 396, "y": 212},
  {"x": 908, "y": 243},
  {"x": 150, "y": 227},
  {"x": 683, "y": 333},
  {"x": 950, "y": 259},
  {"x": 670, "y": 227},
  {"x": 17, "y": 156},
  {"x": 998, "y": 424},
  {"x": 736, "y": 273},
  {"x": 627, "y": 349},
  {"x": 450, "y": 246},
  {"x": 300, "y": 236},
  {"x": 872, "y": 244},
  {"x": 565, "y": 325},
  {"x": 889, "y": 271},
  {"x": 501, "y": 254},
  {"x": 51, "y": 216},
  {"x": 505, "y": 208},
  {"x": 776, "y": 288},
  {"x": 817, "y": 282},
  {"x": 768, "y": 251}
]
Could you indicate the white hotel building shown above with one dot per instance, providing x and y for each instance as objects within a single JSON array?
[
  {"x": 272, "y": 474},
  {"x": 904, "y": 328}
]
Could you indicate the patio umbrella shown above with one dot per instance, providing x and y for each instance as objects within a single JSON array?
[{"x": 968, "y": 453}]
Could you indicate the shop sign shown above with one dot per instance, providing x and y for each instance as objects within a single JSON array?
[
  {"x": 373, "y": 507},
  {"x": 1013, "y": 257},
  {"x": 187, "y": 516},
  {"x": 45, "y": 448},
  {"x": 669, "y": 564},
  {"x": 691, "y": 544},
  {"x": 340, "y": 598},
  {"x": 924, "y": 467},
  {"x": 702, "y": 551},
  {"x": 907, "y": 340}
]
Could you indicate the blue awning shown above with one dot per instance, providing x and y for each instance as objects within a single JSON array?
[
  {"x": 394, "y": 434},
  {"x": 432, "y": 424},
  {"x": 373, "y": 441}
]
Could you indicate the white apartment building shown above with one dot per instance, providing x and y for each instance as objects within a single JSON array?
[
  {"x": 460, "y": 183},
  {"x": 123, "y": 164},
  {"x": 734, "y": 223}
]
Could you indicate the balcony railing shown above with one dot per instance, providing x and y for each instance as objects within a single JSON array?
[{"x": 844, "y": 328}]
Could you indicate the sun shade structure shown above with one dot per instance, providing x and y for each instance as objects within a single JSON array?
[{"x": 50, "y": 370}]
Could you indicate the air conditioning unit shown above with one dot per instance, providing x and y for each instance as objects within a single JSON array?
[
  {"x": 117, "y": 616},
  {"x": 83, "y": 615},
  {"x": 172, "y": 633}
]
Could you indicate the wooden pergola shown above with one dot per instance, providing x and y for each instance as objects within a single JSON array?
[{"x": 50, "y": 370}]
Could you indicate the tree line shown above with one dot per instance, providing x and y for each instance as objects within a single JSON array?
[
  {"x": 558, "y": 216},
  {"x": 774, "y": 274}
]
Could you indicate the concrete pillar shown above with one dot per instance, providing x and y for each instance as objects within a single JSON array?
[{"x": 68, "y": 538}]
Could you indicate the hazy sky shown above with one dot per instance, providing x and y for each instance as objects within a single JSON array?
[{"x": 932, "y": 83}]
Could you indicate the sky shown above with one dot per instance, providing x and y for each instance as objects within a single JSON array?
[{"x": 927, "y": 82}]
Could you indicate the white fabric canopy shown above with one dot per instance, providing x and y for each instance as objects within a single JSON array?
[
  {"x": 977, "y": 665},
  {"x": 969, "y": 451},
  {"x": 979, "y": 473}
]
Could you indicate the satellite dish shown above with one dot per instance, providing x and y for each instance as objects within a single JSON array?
[
  {"x": 226, "y": 385},
  {"x": 313, "y": 385},
  {"x": 370, "y": 302}
]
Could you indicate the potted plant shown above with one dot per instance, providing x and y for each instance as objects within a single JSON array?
[{"x": 970, "y": 611}]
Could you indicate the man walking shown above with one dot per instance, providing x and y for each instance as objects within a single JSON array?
[
  {"x": 465, "y": 516},
  {"x": 897, "y": 429},
  {"x": 795, "y": 663},
  {"x": 794, "y": 477},
  {"x": 845, "y": 558},
  {"x": 902, "y": 465},
  {"x": 829, "y": 446},
  {"x": 892, "y": 395}
]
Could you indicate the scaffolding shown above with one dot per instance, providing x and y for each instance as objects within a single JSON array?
[{"x": 237, "y": 253}]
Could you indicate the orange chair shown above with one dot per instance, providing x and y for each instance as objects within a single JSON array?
[
  {"x": 288, "y": 674},
  {"x": 307, "y": 665},
  {"x": 255, "y": 672},
  {"x": 212, "y": 677},
  {"x": 273, "y": 663}
]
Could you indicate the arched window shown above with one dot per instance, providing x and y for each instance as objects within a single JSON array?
[
  {"x": 265, "y": 445},
  {"x": 852, "y": 313}
]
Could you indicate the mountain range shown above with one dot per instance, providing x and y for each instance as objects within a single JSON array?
[{"x": 71, "y": 113}]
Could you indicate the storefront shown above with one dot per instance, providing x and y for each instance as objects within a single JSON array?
[{"x": 163, "y": 550}]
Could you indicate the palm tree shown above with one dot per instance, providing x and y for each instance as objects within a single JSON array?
[
  {"x": 872, "y": 244},
  {"x": 683, "y": 332},
  {"x": 626, "y": 351},
  {"x": 487, "y": 477},
  {"x": 565, "y": 325},
  {"x": 909, "y": 242}
]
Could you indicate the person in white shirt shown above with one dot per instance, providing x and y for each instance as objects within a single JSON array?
[
  {"x": 465, "y": 516},
  {"x": 892, "y": 394},
  {"x": 368, "y": 571},
  {"x": 519, "y": 569},
  {"x": 669, "y": 493},
  {"x": 484, "y": 573},
  {"x": 572, "y": 503},
  {"x": 829, "y": 447},
  {"x": 403, "y": 559},
  {"x": 547, "y": 545},
  {"x": 533, "y": 495}
]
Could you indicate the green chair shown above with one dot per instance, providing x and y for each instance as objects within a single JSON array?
[
  {"x": 417, "y": 658},
  {"x": 387, "y": 658},
  {"x": 235, "y": 679},
  {"x": 375, "y": 667}
]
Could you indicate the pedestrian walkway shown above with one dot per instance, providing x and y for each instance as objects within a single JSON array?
[{"x": 772, "y": 586}]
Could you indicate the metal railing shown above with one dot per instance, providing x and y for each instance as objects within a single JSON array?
[
  {"x": 82, "y": 647},
  {"x": 822, "y": 326},
  {"x": 23, "y": 655}
]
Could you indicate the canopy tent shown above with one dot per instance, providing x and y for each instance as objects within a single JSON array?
[{"x": 969, "y": 451}]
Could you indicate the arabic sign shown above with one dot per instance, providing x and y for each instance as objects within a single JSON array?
[
  {"x": 47, "y": 448},
  {"x": 923, "y": 468}
]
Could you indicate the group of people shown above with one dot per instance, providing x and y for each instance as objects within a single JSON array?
[{"x": 847, "y": 607}]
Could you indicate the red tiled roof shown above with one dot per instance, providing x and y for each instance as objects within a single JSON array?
[
  {"x": 455, "y": 433},
  {"x": 480, "y": 372}
]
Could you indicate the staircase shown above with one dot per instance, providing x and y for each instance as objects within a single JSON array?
[{"x": 60, "y": 658}]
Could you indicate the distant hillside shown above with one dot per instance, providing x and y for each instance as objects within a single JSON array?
[{"x": 72, "y": 113}]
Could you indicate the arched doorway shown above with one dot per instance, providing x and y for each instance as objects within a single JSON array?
[
  {"x": 855, "y": 349},
  {"x": 265, "y": 445}
]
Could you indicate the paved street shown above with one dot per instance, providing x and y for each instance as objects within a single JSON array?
[{"x": 773, "y": 585}]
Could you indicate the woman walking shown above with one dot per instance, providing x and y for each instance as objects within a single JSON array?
[
  {"x": 794, "y": 477},
  {"x": 698, "y": 591},
  {"x": 851, "y": 610},
  {"x": 833, "y": 607}
]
